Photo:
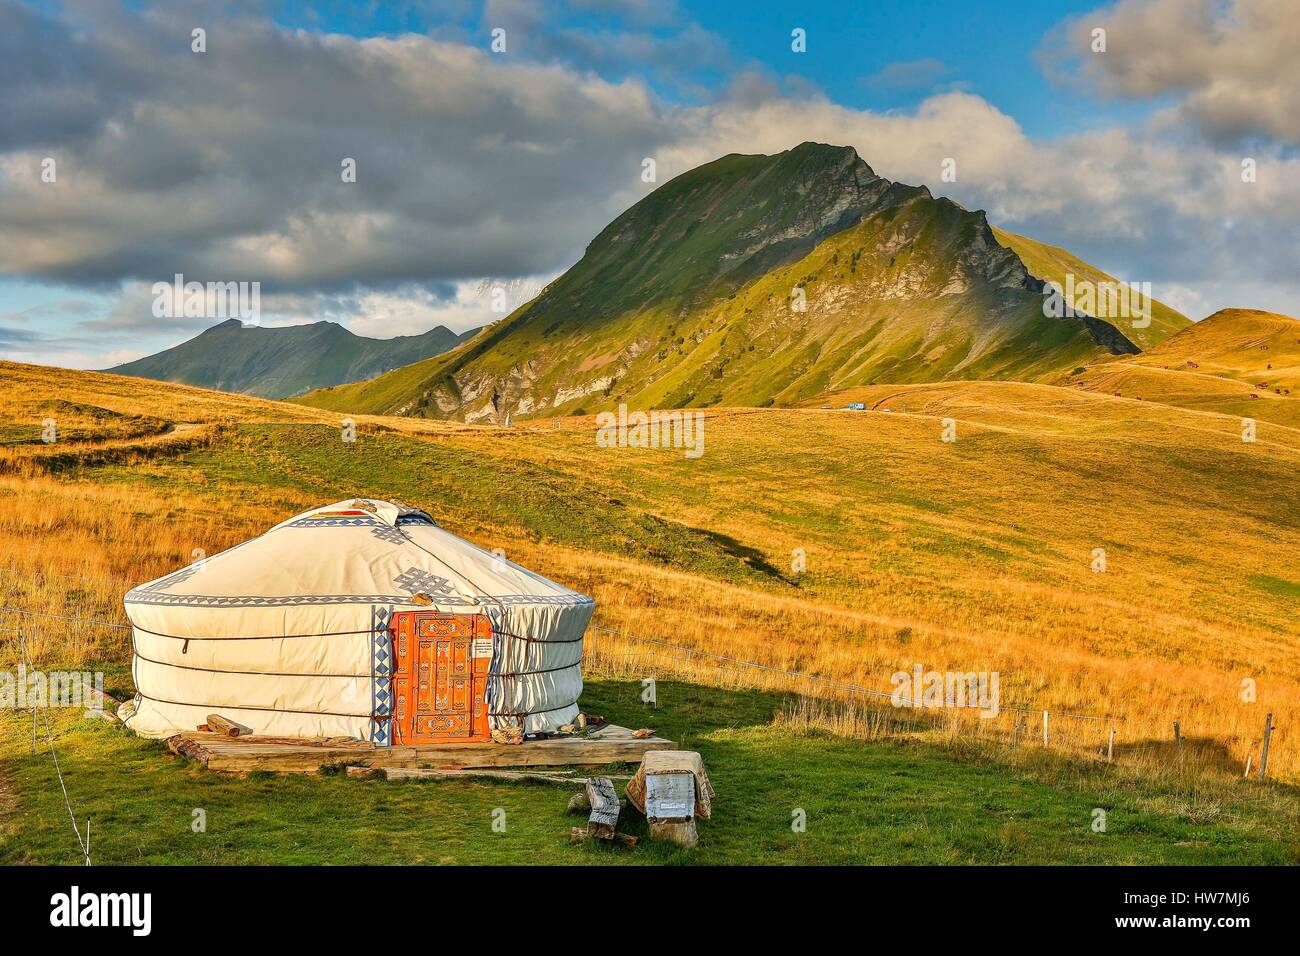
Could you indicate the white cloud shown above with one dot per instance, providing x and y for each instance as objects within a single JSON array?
[
  {"x": 908, "y": 74},
  {"x": 1231, "y": 66},
  {"x": 228, "y": 167}
]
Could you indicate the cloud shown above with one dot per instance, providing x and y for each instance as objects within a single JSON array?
[
  {"x": 11, "y": 338},
  {"x": 648, "y": 12},
  {"x": 226, "y": 165},
  {"x": 908, "y": 75},
  {"x": 613, "y": 38},
  {"x": 1230, "y": 67}
]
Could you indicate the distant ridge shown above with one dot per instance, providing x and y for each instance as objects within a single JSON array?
[{"x": 285, "y": 361}]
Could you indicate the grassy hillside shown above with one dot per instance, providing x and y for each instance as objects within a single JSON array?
[
  {"x": 1054, "y": 263},
  {"x": 1239, "y": 362},
  {"x": 972, "y": 555},
  {"x": 755, "y": 280}
]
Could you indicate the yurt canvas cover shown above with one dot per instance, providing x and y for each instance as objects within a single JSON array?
[{"x": 288, "y": 633}]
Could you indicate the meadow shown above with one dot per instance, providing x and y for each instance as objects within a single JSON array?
[{"x": 844, "y": 545}]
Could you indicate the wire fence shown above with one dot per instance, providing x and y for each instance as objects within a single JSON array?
[
  {"x": 851, "y": 709},
  {"x": 40, "y": 708},
  {"x": 879, "y": 712},
  {"x": 845, "y": 707}
]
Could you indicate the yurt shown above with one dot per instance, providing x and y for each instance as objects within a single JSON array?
[{"x": 359, "y": 619}]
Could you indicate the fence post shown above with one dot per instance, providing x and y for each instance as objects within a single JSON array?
[
  {"x": 1045, "y": 738},
  {"x": 1263, "y": 753},
  {"x": 1110, "y": 747},
  {"x": 1178, "y": 740},
  {"x": 27, "y": 661}
]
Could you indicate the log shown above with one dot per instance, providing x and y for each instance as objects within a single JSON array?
[
  {"x": 580, "y": 835},
  {"x": 102, "y": 705},
  {"x": 185, "y": 747},
  {"x": 578, "y": 803},
  {"x": 681, "y": 832},
  {"x": 604, "y": 808},
  {"x": 222, "y": 725},
  {"x": 508, "y": 735}
]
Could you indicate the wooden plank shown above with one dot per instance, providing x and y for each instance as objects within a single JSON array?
[
  {"x": 288, "y": 755},
  {"x": 670, "y": 796},
  {"x": 427, "y": 773},
  {"x": 332, "y": 743},
  {"x": 603, "y": 820}
]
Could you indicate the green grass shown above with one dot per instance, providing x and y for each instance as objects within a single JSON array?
[
  {"x": 877, "y": 803},
  {"x": 1273, "y": 585},
  {"x": 547, "y": 503}
]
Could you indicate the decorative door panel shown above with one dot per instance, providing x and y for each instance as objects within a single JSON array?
[{"x": 440, "y": 676}]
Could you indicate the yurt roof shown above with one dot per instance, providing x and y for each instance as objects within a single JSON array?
[{"x": 357, "y": 551}]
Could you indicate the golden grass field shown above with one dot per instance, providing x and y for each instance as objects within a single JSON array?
[
  {"x": 975, "y": 555},
  {"x": 1238, "y": 362}
]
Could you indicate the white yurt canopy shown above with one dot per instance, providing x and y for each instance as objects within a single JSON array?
[{"x": 288, "y": 633}]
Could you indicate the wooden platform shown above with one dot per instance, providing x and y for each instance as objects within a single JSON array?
[{"x": 609, "y": 744}]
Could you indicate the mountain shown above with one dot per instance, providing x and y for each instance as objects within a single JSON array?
[
  {"x": 1240, "y": 362},
  {"x": 287, "y": 360},
  {"x": 756, "y": 280}
]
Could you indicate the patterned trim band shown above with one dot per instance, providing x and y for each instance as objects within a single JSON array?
[
  {"x": 357, "y": 521},
  {"x": 138, "y": 596},
  {"x": 292, "y": 600}
]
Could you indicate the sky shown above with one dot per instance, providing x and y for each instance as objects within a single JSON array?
[{"x": 492, "y": 140}]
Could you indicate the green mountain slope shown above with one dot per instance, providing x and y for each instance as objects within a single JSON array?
[
  {"x": 285, "y": 361},
  {"x": 756, "y": 280},
  {"x": 1054, "y": 263}
]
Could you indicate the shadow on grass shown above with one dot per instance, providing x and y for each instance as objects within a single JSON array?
[
  {"x": 682, "y": 710},
  {"x": 753, "y": 559},
  {"x": 1196, "y": 752}
]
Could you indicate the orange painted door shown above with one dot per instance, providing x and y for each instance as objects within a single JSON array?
[{"x": 440, "y": 676}]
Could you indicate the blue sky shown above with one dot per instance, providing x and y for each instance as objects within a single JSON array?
[
  {"x": 481, "y": 168},
  {"x": 987, "y": 48}
]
